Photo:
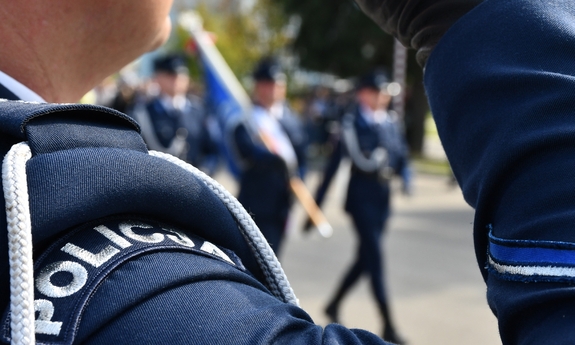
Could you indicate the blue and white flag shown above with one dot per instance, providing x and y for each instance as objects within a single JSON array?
[{"x": 225, "y": 96}]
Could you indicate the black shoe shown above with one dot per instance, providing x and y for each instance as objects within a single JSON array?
[
  {"x": 331, "y": 312},
  {"x": 391, "y": 336}
]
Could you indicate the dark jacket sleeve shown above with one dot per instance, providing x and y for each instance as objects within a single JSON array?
[
  {"x": 500, "y": 87},
  {"x": 418, "y": 24},
  {"x": 197, "y": 300},
  {"x": 251, "y": 152}
]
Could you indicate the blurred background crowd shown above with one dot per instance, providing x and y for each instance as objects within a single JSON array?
[
  {"x": 323, "y": 51},
  {"x": 321, "y": 56}
]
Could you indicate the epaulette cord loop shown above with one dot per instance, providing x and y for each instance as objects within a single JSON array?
[
  {"x": 22, "y": 314},
  {"x": 276, "y": 279}
]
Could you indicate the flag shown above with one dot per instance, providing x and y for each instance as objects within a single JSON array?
[{"x": 225, "y": 96}]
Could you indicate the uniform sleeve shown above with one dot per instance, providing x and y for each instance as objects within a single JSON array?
[
  {"x": 418, "y": 24},
  {"x": 191, "y": 299},
  {"x": 500, "y": 84},
  {"x": 252, "y": 152}
]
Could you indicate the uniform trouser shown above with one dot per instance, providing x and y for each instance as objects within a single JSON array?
[{"x": 369, "y": 259}]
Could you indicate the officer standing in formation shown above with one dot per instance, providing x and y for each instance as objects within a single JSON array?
[
  {"x": 172, "y": 121},
  {"x": 270, "y": 144},
  {"x": 371, "y": 136}
]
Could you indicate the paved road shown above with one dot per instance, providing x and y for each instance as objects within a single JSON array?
[{"x": 437, "y": 293}]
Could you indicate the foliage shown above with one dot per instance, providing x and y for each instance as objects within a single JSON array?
[
  {"x": 242, "y": 37},
  {"x": 336, "y": 37}
]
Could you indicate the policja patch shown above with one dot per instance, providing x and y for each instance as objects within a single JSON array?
[{"x": 72, "y": 269}]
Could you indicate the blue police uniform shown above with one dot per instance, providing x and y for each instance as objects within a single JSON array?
[
  {"x": 368, "y": 197},
  {"x": 136, "y": 247},
  {"x": 186, "y": 124},
  {"x": 264, "y": 179},
  {"x": 500, "y": 84},
  {"x": 175, "y": 125},
  {"x": 265, "y": 172}
]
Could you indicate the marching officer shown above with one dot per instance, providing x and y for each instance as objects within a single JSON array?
[
  {"x": 270, "y": 145},
  {"x": 172, "y": 121},
  {"x": 103, "y": 241},
  {"x": 372, "y": 138}
]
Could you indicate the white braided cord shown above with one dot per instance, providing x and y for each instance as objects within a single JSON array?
[
  {"x": 19, "y": 223},
  {"x": 276, "y": 279}
]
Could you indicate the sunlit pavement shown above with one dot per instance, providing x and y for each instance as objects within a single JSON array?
[{"x": 436, "y": 291}]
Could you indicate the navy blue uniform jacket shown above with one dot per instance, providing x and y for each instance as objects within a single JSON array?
[
  {"x": 172, "y": 266},
  {"x": 500, "y": 85}
]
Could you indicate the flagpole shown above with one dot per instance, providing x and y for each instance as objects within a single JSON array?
[{"x": 192, "y": 23}]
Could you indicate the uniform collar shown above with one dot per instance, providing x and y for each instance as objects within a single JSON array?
[{"x": 19, "y": 89}]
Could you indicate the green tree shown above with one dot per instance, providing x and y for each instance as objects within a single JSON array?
[
  {"x": 242, "y": 36},
  {"x": 336, "y": 37}
]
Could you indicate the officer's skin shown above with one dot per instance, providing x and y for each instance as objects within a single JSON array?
[
  {"x": 267, "y": 93},
  {"x": 172, "y": 84},
  {"x": 368, "y": 97},
  {"x": 383, "y": 100},
  {"x": 63, "y": 48}
]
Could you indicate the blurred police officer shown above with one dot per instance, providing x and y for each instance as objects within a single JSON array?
[
  {"x": 172, "y": 121},
  {"x": 270, "y": 145},
  {"x": 130, "y": 246},
  {"x": 371, "y": 136}
]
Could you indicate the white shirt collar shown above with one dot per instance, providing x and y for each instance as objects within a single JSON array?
[{"x": 19, "y": 90}]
